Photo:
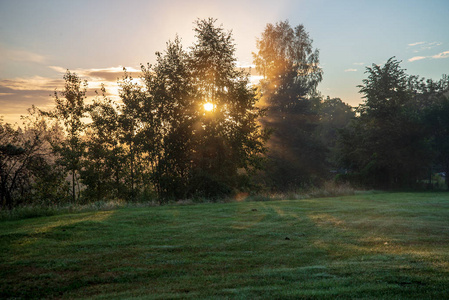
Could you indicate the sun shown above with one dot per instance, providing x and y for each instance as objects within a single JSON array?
[{"x": 208, "y": 106}]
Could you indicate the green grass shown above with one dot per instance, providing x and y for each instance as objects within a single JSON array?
[{"x": 377, "y": 245}]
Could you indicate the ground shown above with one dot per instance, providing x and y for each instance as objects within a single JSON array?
[{"x": 369, "y": 245}]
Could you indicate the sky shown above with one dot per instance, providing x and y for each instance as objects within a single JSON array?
[{"x": 41, "y": 39}]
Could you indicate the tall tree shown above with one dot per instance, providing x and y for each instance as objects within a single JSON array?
[
  {"x": 170, "y": 113},
  {"x": 291, "y": 73},
  {"x": 103, "y": 171},
  {"x": 12, "y": 163},
  {"x": 70, "y": 109},
  {"x": 132, "y": 128},
  {"x": 388, "y": 146},
  {"x": 334, "y": 115},
  {"x": 436, "y": 119},
  {"x": 227, "y": 135},
  {"x": 28, "y": 171}
]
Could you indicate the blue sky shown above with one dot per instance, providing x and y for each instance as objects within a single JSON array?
[{"x": 40, "y": 39}]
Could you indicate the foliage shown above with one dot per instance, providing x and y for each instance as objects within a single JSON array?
[
  {"x": 103, "y": 166},
  {"x": 69, "y": 111},
  {"x": 228, "y": 138},
  {"x": 436, "y": 120},
  {"x": 170, "y": 120},
  {"x": 161, "y": 141},
  {"x": 28, "y": 168},
  {"x": 161, "y": 138},
  {"x": 291, "y": 73},
  {"x": 387, "y": 146}
]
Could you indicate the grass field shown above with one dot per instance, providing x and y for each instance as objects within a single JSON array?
[{"x": 373, "y": 245}]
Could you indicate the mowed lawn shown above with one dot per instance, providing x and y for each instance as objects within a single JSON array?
[{"x": 373, "y": 245}]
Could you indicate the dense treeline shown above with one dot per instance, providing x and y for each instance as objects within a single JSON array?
[
  {"x": 193, "y": 126},
  {"x": 400, "y": 135}
]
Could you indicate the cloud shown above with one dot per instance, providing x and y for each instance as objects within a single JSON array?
[
  {"x": 444, "y": 54},
  {"x": 18, "y": 101},
  {"x": 359, "y": 64},
  {"x": 35, "y": 83},
  {"x": 18, "y": 55},
  {"x": 19, "y": 94},
  {"x": 105, "y": 74},
  {"x": 423, "y": 46},
  {"x": 415, "y": 58},
  {"x": 351, "y": 70},
  {"x": 416, "y": 44}
]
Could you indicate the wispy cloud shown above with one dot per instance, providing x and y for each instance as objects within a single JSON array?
[
  {"x": 19, "y": 55},
  {"x": 98, "y": 74},
  {"x": 416, "y": 44},
  {"x": 415, "y": 58},
  {"x": 35, "y": 83},
  {"x": 359, "y": 64},
  {"x": 351, "y": 70},
  {"x": 423, "y": 46},
  {"x": 444, "y": 54},
  {"x": 18, "y": 94},
  {"x": 17, "y": 101}
]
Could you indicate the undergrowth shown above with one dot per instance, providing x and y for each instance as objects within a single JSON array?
[{"x": 329, "y": 189}]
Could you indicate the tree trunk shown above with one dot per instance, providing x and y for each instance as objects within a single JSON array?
[
  {"x": 132, "y": 171},
  {"x": 3, "y": 191},
  {"x": 73, "y": 187},
  {"x": 447, "y": 176}
]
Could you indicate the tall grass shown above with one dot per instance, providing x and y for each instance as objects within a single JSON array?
[
  {"x": 34, "y": 211},
  {"x": 329, "y": 189}
]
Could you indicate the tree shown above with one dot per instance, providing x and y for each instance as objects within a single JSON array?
[
  {"x": 334, "y": 115},
  {"x": 132, "y": 123},
  {"x": 69, "y": 111},
  {"x": 28, "y": 169},
  {"x": 387, "y": 146},
  {"x": 103, "y": 167},
  {"x": 227, "y": 138},
  {"x": 291, "y": 73},
  {"x": 169, "y": 118},
  {"x": 437, "y": 122},
  {"x": 13, "y": 162},
  {"x": 288, "y": 63}
]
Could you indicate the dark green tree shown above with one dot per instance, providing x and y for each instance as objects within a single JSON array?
[
  {"x": 228, "y": 141},
  {"x": 134, "y": 114},
  {"x": 103, "y": 171},
  {"x": 291, "y": 73},
  {"x": 69, "y": 111},
  {"x": 387, "y": 146},
  {"x": 170, "y": 113},
  {"x": 12, "y": 164},
  {"x": 437, "y": 122},
  {"x": 334, "y": 115},
  {"x": 28, "y": 169}
]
